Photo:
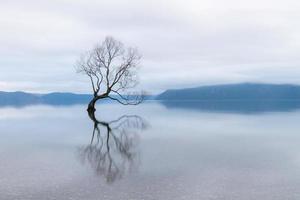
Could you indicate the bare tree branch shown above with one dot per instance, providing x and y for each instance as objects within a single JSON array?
[
  {"x": 127, "y": 100},
  {"x": 111, "y": 68}
]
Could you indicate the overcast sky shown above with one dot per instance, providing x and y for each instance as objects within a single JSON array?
[{"x": 184, "y": 43}]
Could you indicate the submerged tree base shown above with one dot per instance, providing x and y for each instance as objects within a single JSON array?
[{"x": 91, "y": 109}]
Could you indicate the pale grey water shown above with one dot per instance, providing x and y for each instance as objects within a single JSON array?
[{"x": 164, "y": 153}]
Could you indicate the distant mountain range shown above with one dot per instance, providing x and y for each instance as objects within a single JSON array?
[
  {"x": 56, "y": 98},
  {"x": 19, "y": 99},
  {"x": 244, "y": 91},
  {"x": 241, "y": 92}
]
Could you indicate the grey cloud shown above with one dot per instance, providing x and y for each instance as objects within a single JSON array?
[{"x": 184, "y": 43}]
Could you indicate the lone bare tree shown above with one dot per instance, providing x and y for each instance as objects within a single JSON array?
[{"x": 112, "y": 70}]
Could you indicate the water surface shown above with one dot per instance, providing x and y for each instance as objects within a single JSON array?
[{"x": 152, "y": 151}]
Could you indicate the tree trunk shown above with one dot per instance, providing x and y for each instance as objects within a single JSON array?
[{"x": 91, "y": 107}]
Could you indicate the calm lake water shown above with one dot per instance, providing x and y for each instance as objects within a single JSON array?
[{"x": 154, "y": 151}]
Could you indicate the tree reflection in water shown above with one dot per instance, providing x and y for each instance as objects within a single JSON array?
[{"x": 112, "y": 151}]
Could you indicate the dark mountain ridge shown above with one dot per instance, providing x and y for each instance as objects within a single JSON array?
[
  {"x": 210, "y": 94},
  {"x": 243, "y": 91},
  {"x": 55, "y": 98}
]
